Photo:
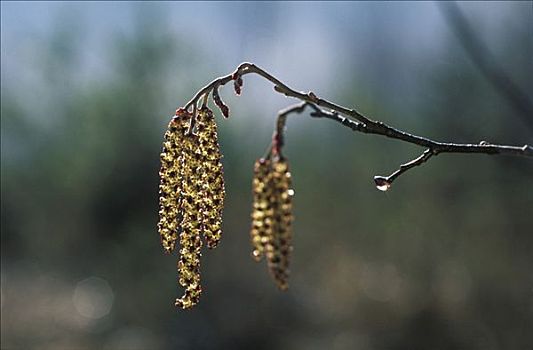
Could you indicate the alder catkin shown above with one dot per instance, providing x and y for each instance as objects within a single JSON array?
[
  {"x": 212, "y": 177},
  {"x": 190, "y": 236},
  {"x": 191, "y": 195},
  {"x": 261, "y": 231},
  {"x": 170, "y": 181},
  {"x": 271, "y": 232},
  {"x": 279, "y": 247}
]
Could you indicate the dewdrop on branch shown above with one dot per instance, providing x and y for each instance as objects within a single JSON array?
[{"x": 382, "y": 183}]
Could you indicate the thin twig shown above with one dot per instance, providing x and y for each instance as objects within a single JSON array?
[
  {"x": 278, "y": 139},
  {"x": 359, "y": 122},
  {"x": 424, "y": 157},
  {"x": 437, "y": 147},
  {"x": 383, "y": 183},
  {"x": 356, "y": 121}
]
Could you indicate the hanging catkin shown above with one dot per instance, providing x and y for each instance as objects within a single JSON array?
[
  {"x": 212, "y": 177},
  {"x": 262, "y": 212},
  {"x": 271, "y": 232},
  {"x": 170, "y": 181},
  {"x": 191, "y": 195},
  {"x": 278, "y": 249},
  {"x": 190, "y": 236}
]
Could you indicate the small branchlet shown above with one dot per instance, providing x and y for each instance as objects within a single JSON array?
[
  {"x": 191, "y": 189},
  {"x": 383, "y": 183},
  {"x": 220, "y": 104},
  {"x": 237, "y": 83}
]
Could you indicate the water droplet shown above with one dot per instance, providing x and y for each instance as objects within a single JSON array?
[
  {"x": 290, "y": 192},
  {"x": 382, "y": 183}
]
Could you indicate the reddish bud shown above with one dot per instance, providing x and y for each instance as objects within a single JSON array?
[
  {"x": 237, "y": 88},
  {"x": 237, "y": 84},
  {"x": 225, "y": 110},
  {"x": 180, "y": 112},
  {"x": 277, "y": 143},
  {"x": 312, "y": 96},
  {"x": 218, "y": 101}
]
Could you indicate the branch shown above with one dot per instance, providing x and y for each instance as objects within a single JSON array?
[
  {"x": 384, "y": 183},
  {"x": 435, "y": 146},
  {"x": 278, "y": 139},
  {"x": 352, "y": 119}
]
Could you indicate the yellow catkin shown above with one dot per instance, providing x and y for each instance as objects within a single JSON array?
[
  {"x": 191, "y": 222},
  {"x": 279, "y": 247},
  {"x": 271, "y": 232},
  {"x": 262, "y": 213},
  {"x": 212, "y": 176},
  {"x": 191, "y": 196},
  {"x": 170, "y": 182}
]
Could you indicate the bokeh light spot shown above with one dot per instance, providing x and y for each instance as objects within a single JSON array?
[{"x": 93, "y": 298}]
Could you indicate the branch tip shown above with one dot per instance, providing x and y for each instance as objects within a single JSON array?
[{"x": 382, "y": 183}]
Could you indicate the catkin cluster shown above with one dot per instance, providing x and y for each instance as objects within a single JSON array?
[
  {"x": 271, "y": 232},
  {"x": 191, "y": 195}
]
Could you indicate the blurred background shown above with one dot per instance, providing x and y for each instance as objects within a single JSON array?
[{"x": 443, "y": 260}]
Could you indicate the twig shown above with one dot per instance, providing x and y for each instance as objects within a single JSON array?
[
  {"x": 366, "y": 125},
  {"x": 356, "y": 121},
  {"x": 435, "y": 146},
  {"x": 384, "y": 183},
  {"x": 278, "y": 138}
]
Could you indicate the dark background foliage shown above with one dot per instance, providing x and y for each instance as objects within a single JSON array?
[{"x": 441, "y": 261}]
